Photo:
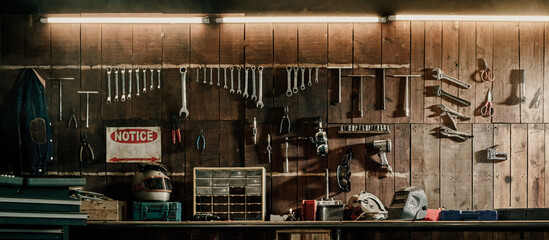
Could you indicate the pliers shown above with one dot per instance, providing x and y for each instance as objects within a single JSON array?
[
  {"x": 84, "y": 144},
  {"x": 72, "y": 119},
  {"x": 285, "y": 118},
  {"x": 175, "y": 129},
  {"x": 201, "y": 136}
]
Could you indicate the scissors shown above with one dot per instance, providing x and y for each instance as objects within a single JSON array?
[
  {"x": 488, "y": 109},
  {"x": 487, "y": 74}
]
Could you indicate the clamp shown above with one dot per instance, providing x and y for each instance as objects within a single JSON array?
[
  {"x": 84, "y": 144},
  {"x": 285, "y": 118},
  {"x": 175, "y": 129},
  {"x": 201, "y": 136},
  {"x": 493, "y": 155},
  {"x": 72, "y": 120}
]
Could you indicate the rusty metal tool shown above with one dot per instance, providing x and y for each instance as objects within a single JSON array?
[
  {"x": 439, "y": 92},
  {"x": 87, "y": 104},
  {"x": 440, "y": 75},
  {"x": 406, "y": 93}
]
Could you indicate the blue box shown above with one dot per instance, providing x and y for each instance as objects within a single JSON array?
[
  {"x": 458, "y": 215},
  {"x": 156, "y": 211}
]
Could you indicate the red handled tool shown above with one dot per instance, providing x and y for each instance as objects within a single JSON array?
[{"x": 175, "y": 129}]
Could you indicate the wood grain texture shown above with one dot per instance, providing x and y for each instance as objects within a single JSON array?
[
  {"x": 65, "y": 43},
  {"x": 483, "y": 170},
  {"x": 536, "y": 165},
  {"x": 402, "y": 156},
  {"x": 395, "y": 50},
  {"x": 37, "y": 45},
  {"x": 417, "y": 67},
  {"x": 506, "y": 62},
  {"x": 255, "y": 155},
  {"x": 546, "y": 140},
  {"x": 450, "y": 61},
  {"x": 340, "y": 52},
  {"x": 455, "y": 171},
  {"x": 519, "y": 165},
  {"x": 231, "y": 53},
  {"x": 13, "y": 35},
  {"x": 425, "y": 165},
  {"x": 467, "y": 66},
  {"x": 484, "y": 50},
  {"x": 532, "y": 61},
  {"x": 433, "y": 59},
  {"x": 367, "y": 51},
  {"x": 502, "y": 169},
  {"x": 232, "y": 149},
  {"x": 546, "y": 76},
  {"x": 90, "y": 43}
]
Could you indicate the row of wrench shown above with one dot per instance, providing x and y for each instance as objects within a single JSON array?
[
  {"x": 295, "y": 69},
  {"x": 122, "y": 73}
]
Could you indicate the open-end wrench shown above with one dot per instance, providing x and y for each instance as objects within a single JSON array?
[
  {"x": 123, "y": 72},
  {"x": 260, "y": 100},
  {"x": 523, "y": 82},
  {"x": 295, "y": 89},
  {"x": 245, "y": 94},
  {"x": 225, "y": 78},
  {"x": 339, "y": 84},
  {"x": 144, "y": 80},
  {"x": 198, "y": 74},
  {"x": 287, "y": 167},
  {"x": 116, "y": 85},
  {"x": 289, "y": 90},
  {"x": 211, "y": 77},
  {"x": 310, "y": 83},
  {"x": 109, "y": 71},
  {"x": 130, "y": 74},
  {"x": 302, "y": 87},
  {"x": 218, "y": 76},
  {"x": 137, "y": 82},
  {"x": 152, "y": 79},
  {"x": 232, "y": 81},
  {"x": 254, "y": 96},
  {"x": 205, "y": 71},
  {"x": 440, "y": 75},
  {"x": 439, "y": 92},
  {"x": 158, "y": 82},
  {"x": 183, "y": 109},
  {"x": 316, "y": 74},
  {"x": 238, "y": 91}
]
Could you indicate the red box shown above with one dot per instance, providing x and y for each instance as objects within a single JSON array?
[
  {"x": 432, "y": 214},
  {"x": 308, "y": 210}
]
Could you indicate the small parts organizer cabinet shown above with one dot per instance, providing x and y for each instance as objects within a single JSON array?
[{"x": 236, "y": 193}]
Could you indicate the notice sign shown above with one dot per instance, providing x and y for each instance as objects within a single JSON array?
[{"x": 134, "y": 144}]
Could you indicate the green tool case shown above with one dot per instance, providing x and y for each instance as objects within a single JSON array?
[{"x": 156, "y": 211}]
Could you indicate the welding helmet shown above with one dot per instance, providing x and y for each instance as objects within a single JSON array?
[{"x": 150, "y": 183}]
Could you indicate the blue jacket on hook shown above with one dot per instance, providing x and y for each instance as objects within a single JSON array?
[{"x": 25, "y": 130}]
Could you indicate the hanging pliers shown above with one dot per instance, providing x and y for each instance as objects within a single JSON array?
[
  {"x": 72, "y": 120},
  {"x": 285, "y": 118},
  {"x": 84, "y": 144},
  {"x": 201, "y": 136},
  {"x": 176, "y": 132}
]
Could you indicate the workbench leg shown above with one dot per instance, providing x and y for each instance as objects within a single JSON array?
[{"x": 65, "y": 232}]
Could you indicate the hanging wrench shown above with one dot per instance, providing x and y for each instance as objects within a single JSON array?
[
  {"x": 439, "y": 92},
  {"x": 254, "y": 97},
  {"x": 211, "y": 77},
  {"x": 116, "y": 85},
  {"x": 523, "y": 81},
  {"x": 287, "y": 168},
  {"x": 218, "y": 77},
  {"x": 130, "y": 73},
  {"x": 316, "y": 74},
  {"x": 302, "y": 87},
  {"x": 109, "y": 86},
  {"x": 198, "y": 74},
  {"x": 123, "y": 98},
  {"x": 183, "y": 109},
  {"x": 260, "y": 100},
  {"x": 137, "y": 82},
  {"x": 310, "y": 83},
  {"x": 269, "y": 148},
  {"x": 238, "y": 91},
  {"x": 289, "y": 90},
  {"x": 225, "y": 78},
  {"x": 295, "y": 89},
  {"x": 232, "y": 82},
  {"x": 245, "y": 94},
  {"x": 205, "y": 71},
  {"x": 152, "y": 79},
  {"x": 144, "y": 80},
  {"x": 158, "y": 71},
  {"x": 440, "y": 75}
]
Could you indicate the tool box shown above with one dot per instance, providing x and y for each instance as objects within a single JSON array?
[
  {"x": 459, "y": 215},
  {"x": 156, "y": 211},
  {"x": 523, "y": 213}
]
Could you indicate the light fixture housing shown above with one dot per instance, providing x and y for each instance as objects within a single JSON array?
[
  {"x": 325, "y": 19},
  {"x": 122, "y": 20},
  {"x": 478, "y": 18}
]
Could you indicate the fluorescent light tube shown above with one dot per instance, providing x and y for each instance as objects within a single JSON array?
[
  {"x": 490, "y": 18},
  {"x": 124, "y": 20},
  {"x": 298, "y": 19}
]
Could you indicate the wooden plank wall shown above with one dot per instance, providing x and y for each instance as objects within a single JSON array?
[{"x": 453, "y": 174}]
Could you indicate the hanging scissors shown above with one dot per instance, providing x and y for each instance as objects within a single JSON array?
[
  {"x": 487, "y": 74},
  {"x": 488, "y": 108}
]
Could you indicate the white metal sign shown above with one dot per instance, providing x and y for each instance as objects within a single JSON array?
[{"x": 134, "y": 144}]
